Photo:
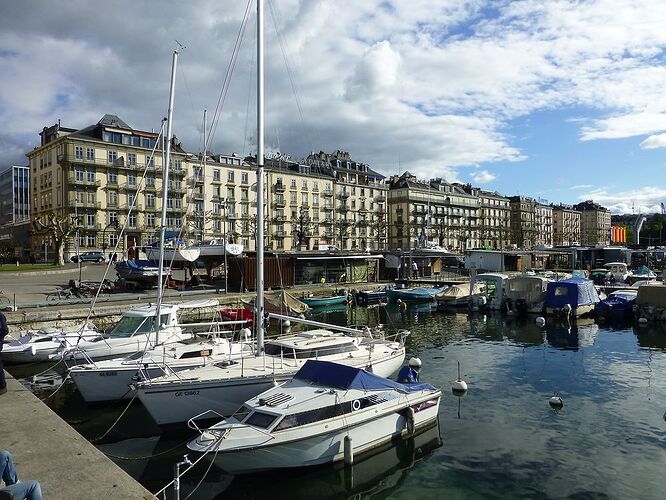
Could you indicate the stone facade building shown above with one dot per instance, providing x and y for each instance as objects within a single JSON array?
[
  {"x": 523, "y": 221},
  {"x": 595, "y": 223},
  {"x": 543, "y": 225},
  {"x": 494, "y": 217},
  {"x": 566, "y": 226}
]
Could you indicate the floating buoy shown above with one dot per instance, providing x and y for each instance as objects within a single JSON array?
[
  {"x": 459, "y": 387},
  {"x": 642, "y": 321},
  {"x": 540, "y": 321},
  {"x": 556, "y": 402}
]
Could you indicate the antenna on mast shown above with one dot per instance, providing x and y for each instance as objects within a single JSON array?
[{"x": 180, "y": 45}]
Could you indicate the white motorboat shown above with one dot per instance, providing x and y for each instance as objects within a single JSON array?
[
  {"x": 37, "y": 345},
  {"x": 133, "y": 333},
  {"x": 458, "y": 295},
  {"x": 111, "y": 379},
  {"x": 492, "y": 295},
  {"x": 328, "y": 412},
  {"x": 225, "y": 385}
]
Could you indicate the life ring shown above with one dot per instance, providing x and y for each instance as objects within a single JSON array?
[
  {"x": 356, "y": 405},
  {"x": 410, "y": 421}
]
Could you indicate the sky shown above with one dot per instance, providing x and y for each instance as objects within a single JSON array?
[{"x": 561, "y": 100}]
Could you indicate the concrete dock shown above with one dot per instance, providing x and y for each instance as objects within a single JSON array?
[{"x": 47, "y": 449}]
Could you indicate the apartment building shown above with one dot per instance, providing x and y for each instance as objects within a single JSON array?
[
  {"x": 543, "y": 225},
  {"x": 104, "y": 176},
  {"x": 566, "y": 225},
  {"x": 595, "y": 223},
  {"x": 494, "y": 216},
  {"x": 355, "y": 215},
  {"x": 523, "y": 221},
  {"x": 435, "y": 212}
]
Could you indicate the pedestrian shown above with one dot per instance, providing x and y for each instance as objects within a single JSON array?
[
  {"x": 4, "y": 331},
  {"x": 415, "y": 270},
  {"x": 15, "y": 489}
]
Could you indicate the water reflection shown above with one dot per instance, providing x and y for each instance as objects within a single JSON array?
[
  {"x": 571, "y": 335},
  {"x": 652, "y": 335},
  {"x": 376, "y": 474}
]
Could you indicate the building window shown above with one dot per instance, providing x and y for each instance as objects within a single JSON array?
[
  {"x": 113, "y": 156},
  {"x": 244, "y": 177},
  {"x": 90, "y": 219},
  {"x": 150, "y": 200},
  {"x": 230, "y": 176},
  {"x": 216, "y": 175},
  {"x": 78, "y": 153},
  {"x": 305, "y": 184},
  {"x": 178, "y": 165},
  {"x": 131, "y": 179},
  {"x": 293, "y": 183},
  {"x": 113, "y": 240},
  {"x": 245, "y": 195},
  {"x": 150, "y": 161},
  {"x": 131, "y": 158},
  {"x": 150, "y": 220},
  {"x": 90, "y": 240},
  {"x": 304, "y": 198},
  {"x": 231, "y": 193},
  {"x": 78, "y": 175},
  {"x": 131, "y": 220},
  {"x": 90, "y": 154},
  {"x": 90, "y": 174},
  {"x": 150, "y": 180}
]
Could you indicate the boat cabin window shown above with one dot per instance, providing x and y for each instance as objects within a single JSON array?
[
  {"x": 241, "y": 413},
  {"x": 130, "y": 325},
  {"x": 261, "y": 419},
  {"x": 308, "y": 352},
  {"x": 196, "y": 354},
  {"x": 561, "y": 291}
]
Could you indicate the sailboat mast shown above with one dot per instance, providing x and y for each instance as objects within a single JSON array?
[
  {"x": 165, "y": 187},
  {"x": 259, "y": 318},
  {"x": 203, "y": 184}
]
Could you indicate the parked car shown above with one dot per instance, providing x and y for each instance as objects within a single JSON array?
[{"x": 89, "y": 257}]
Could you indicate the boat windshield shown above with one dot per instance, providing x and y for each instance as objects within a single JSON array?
[
  {"x": 261, "y": 419},
  {"x": 241, "y": 413},
  {"x": 131, "y": 325}
]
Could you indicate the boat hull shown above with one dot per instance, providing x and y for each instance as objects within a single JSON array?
[
  {"x": 366, "y": 435},
  {"x": 324, "y": 301},
  {"x": 108, "y": 385},
  {"x": 177, "y": 402},
  {"x": 576, "y": 312}
]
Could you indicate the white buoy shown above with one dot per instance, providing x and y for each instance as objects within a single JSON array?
[
  {"x": 642, "y": 321},
  {"x": 459, "y": 386},
  {"x": 556, "y": 402},
  {"x": 540, "y": 321}
]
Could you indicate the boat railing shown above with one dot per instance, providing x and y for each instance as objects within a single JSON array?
[{"x": 191, "y": 423}]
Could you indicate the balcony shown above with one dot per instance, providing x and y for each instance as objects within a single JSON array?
[
  {"x": 343, "y": 196},
  {"x": 280, "y": 218},
  {"x": 343, "y": 208},
  {"x": 380, "y": 198},
  {"x": 71, "y": 178},
  {"x": 280, "y": 203},
  {"x": 328, "y": 208},
  {"x": 327, "y": 192},
  {"x": 280, "y": 187},
  {"x": 280, "y": 234}
]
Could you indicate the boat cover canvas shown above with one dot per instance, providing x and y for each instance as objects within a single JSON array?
[
  {"x": 652, "y": 295},
  {"x": 327, "y": 374},
  {"x": 574, "y": 291}
]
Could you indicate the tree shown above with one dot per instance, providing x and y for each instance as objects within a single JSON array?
[{"x": 59, "y": 228}]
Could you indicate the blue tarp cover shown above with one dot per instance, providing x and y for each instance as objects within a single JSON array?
[
  {"x": 573, "y": 291},
  {"x": 327, "y": 374}
]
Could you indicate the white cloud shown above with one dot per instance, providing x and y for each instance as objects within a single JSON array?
[
  {"x": 429, "y": 87},
  {"x": 644, "y": 200},
  {"x": 582, "y": 186},
  {"x": 483, "y": 177},
  {"x": 654, "y": 142}
]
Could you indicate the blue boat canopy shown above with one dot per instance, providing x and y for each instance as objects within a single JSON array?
[
  {"x": 574, "y": 291},
  {"x": 327, "y": 374}
]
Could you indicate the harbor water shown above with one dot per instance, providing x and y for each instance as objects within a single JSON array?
[{"x": 500, "y": 440}]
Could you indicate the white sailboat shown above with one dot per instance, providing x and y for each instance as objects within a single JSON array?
[{"x": 220, "y": 388}]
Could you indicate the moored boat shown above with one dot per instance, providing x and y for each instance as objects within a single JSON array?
[
  {"x": 37, "y": 345},
  {"x": 222, "y": 387},
  {"x": 340, "y": 297},
  {"x": 492, "y": 294},
  {"x": 370, "y": 297},
  {"x": 417, "y": 294},
  {"x": 619, "y": 306},
  {"x": 573, "y": 297},
  {"x": 458, "y": 295},
  {"x": 525, "y": 294},
  {"x": 326, "y": 413}
]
